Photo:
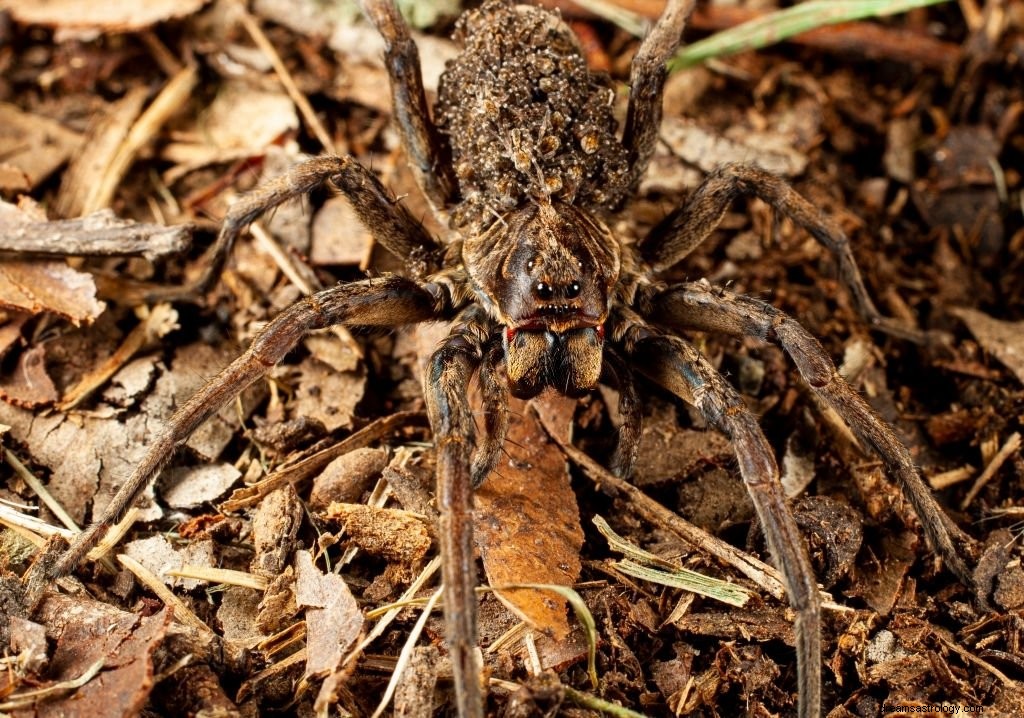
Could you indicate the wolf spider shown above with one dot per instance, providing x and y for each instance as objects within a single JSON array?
[{"x": 522, "y": 157}]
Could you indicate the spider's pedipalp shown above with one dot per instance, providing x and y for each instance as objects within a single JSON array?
[{"x": 697, "y": 306}]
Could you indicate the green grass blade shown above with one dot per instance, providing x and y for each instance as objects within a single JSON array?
[{"x": 777, "y": 26}]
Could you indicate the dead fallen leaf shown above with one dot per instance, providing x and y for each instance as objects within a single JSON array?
[
  {"x": 158, "y": 555},
  {"x": 1004, "y": 340},
  {"x": 45, "y": 286},
  {"x": 87, "y": 631},
  {"x": 333, "y": 619},
  {"x": 526, "y": 520},
  {"x": 188, "y": 486},
  {"x": 115, "y": 16},
  {"x": 29, "y": 386},
  {"x": 327, "y": 395}
]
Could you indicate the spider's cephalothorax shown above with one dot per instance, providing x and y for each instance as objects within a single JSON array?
[
  {"x": 546, "y": 273},
  {"x": 523, "y": 156}
]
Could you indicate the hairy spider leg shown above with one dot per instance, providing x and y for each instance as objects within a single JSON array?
[
  {"x": 679, "y": 367},
  {"x": 386, "y": 302},
  {"x": 698, "y": 305},
  {"x": 647, "y": 77},
  {"x": 616, "y": 373},
  {"x": 427, "y": 154},
  {"x": 689, "y": 225},
  {"x": 388, "y": 221},
  {"x": 446, "y": 388}
]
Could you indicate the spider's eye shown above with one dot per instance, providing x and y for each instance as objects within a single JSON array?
[
  {"x": 572, "y": 290},
  {"x": 543, "y": 290}
]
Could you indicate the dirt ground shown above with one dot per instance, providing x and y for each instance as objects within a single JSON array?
[{"x": 300, "y": 522}]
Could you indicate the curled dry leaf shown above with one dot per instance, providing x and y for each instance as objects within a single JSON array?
[
  {"x": 29, "y": 386},
  {"x": 527, "y": 522}
]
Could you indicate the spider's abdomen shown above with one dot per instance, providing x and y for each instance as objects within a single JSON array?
[{"x": 525, "y": 118}]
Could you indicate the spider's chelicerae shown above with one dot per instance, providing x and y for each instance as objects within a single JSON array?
[{"x": 522, "y": 157}]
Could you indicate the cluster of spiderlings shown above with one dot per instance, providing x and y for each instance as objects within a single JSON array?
[{"x": 525, "y": 118}]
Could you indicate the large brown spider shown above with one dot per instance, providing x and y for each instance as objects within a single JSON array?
[{"x": 523, "y": 158}]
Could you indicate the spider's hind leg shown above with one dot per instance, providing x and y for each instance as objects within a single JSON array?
[
  {"x": 687, "y": 227},
  {"x": 469, "y": 345},
  {"x": 698, "y": 305},
  {"x": 679, "y": 367}
]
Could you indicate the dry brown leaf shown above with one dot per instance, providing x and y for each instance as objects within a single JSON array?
[
  {"x": 327, "y": 395},
  {"x": 45, "y": 286},
  {"x": 29, "y": 386},
  {"x": 87, "y": 631},
  {"x": 113, "y": 16},
  {"x": 526, "y": 520},
  {"x": 158, "y": 555},
  {"x": 188, "y": 486},
  {"x": 333, "y": 619},
  {"x": 1003, "y": 340}
]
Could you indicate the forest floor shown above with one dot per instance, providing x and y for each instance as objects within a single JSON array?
[{"x": 315, "y": 488}]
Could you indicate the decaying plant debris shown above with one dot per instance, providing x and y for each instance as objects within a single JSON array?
[{"x": 172, "y": 117}]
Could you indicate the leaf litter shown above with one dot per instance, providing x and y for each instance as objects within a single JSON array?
[{"x": 904, "y": 166}]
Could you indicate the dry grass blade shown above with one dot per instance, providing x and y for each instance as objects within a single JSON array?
[
  {"x": 658, "y": 570},
  {"x": 29, "y": 698},
  {"x": 406, "y": 654},
  {"x": 224, "y": 576},
  {"x": 182, "y": 613}
]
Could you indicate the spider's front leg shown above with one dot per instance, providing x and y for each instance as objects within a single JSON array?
[
  {"x": 699, "y": 306},
  {"x": 679, "y": 367},
  {"x": 445, "y": 388},
  {"x": 686, "y": 228},
  {"x": 386, "y": 302},
  {"x": 647, "y": 83},
  {"x": 423, "y": 146}
]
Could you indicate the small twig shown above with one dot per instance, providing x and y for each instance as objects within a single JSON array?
[
  {"x": 1012, "y": 444},
  {"x": 953, "y": 476},
  {"x": 305, "y": 109},
  {"x": 100, "y": 234}
]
